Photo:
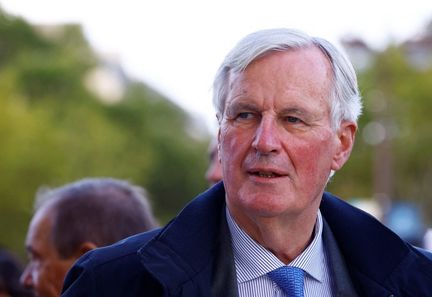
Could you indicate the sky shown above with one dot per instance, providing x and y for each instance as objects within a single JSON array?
[{"x": 176, "y": 46}]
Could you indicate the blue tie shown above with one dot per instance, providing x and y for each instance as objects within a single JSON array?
[{"x": 289, "y": 279}]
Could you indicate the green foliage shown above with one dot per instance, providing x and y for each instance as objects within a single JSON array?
[
  {"x": 403, "y": 91},
  {"x": 16, "y": 36},
  {"x": 53, "y": 130}
]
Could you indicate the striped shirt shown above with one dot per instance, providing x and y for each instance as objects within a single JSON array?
[{"x": 253, "y": 262}]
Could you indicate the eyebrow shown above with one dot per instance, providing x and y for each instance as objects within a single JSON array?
[
  {"x": 295, "y": 110},
  {"x": 242, "y": 105},
  {"x": 253, "y": 107}
]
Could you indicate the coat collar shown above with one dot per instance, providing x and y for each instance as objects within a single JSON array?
[
  {"x": 377, "y": 259},
  {"x": 358, "y": 233},
  {"x": 189, "y": 243}
]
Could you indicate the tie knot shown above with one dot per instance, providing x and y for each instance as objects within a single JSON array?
[{"x": 289, "y": 279}]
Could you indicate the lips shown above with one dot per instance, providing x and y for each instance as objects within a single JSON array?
[{"x": 266, "y": 173}]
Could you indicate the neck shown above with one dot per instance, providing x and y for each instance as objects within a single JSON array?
[{"x": 285, "y": 236}]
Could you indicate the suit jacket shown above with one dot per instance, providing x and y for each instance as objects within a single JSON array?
[{"x": 192, "y": 256}]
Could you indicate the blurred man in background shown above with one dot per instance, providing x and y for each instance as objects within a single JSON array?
[
  {"x": 76, "y": 218},
  {"x": 214, "y": 170}
]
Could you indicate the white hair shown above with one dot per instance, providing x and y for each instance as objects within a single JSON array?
[{"x": 345, "y": 100}]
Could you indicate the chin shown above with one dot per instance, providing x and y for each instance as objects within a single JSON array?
[{"x": 269, "y": 205}]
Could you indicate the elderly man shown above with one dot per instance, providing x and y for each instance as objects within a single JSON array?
[
  {"x": 76, "y": 218},
  {"x": 287, "y": 106}
]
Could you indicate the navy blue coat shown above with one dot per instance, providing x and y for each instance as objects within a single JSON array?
[{"x": 191, "y": 256}]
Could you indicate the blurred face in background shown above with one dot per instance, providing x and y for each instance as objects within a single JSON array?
[
  {"x": 214, "y": 171},
  {"x": 46, "y": 270}
]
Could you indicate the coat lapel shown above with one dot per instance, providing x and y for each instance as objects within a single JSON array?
[
  {"x": 225, "y": 280},
  {"x": 192, "y": 256},
  {"x": 342, "y": 284}
]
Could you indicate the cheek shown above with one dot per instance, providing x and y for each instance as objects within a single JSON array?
[
  {"x": 230, "y": 145},
  {"x": 314, "y": 155},
  {"x": 233, "y": 149},
  {"x": 44, "y": 276}
]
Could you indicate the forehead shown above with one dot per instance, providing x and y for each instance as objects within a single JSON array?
[
  {"x": 39, "y": 232},
  {"x": 303, "y": 72}
]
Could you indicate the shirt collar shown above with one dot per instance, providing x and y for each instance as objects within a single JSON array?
[{"x": 252, "y": 260}]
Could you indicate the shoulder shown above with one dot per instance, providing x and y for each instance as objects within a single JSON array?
[
  {"x": 108, "y": 266},
  {"x": 143, "y": 262},
  {"x": 120, "y": 251},
  {"x": 376, "y": 257},
  {"x": 337, "y": 211},
  {"x": 357, "y": 231}
]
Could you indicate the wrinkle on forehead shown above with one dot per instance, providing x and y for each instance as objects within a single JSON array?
[{"x": 321, "y": 66}]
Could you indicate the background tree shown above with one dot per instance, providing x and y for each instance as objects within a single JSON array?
[
  {"x": 391, "y": 157},
  {"x": 54, "y": 130}
]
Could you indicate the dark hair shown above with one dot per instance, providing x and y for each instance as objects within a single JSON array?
[
  {"x": 10, "y": 271},
  {"x": 98, "y": 210}
]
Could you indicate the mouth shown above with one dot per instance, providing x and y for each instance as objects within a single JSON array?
[{"x": 265, "y": 174}]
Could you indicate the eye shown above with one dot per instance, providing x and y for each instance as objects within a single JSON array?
[
  {"x": 291, "y": 119},
  {"x": 245, "y": 115}
]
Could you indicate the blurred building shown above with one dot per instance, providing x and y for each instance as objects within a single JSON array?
[
  {"x": 428, "y": 239},
  {"x": 406, "y": 220},
  {"x": 418, "y": 49},
  {"x": 403, "y": 218},
  {"x": 360, "y": 53}
]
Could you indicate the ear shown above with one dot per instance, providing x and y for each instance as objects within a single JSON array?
[
  {"x": 345, "y": 143},
  {"x": 85, "y": 247}
]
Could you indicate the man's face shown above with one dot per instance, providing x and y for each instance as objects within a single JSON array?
[
  {"x": 46, "y": 270},
  {"x": 276, "y": 143}
]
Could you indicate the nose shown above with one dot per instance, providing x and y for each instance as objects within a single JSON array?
[
  {"x": 267, "y": 139},
  {"x": 26, "y": 279}
]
